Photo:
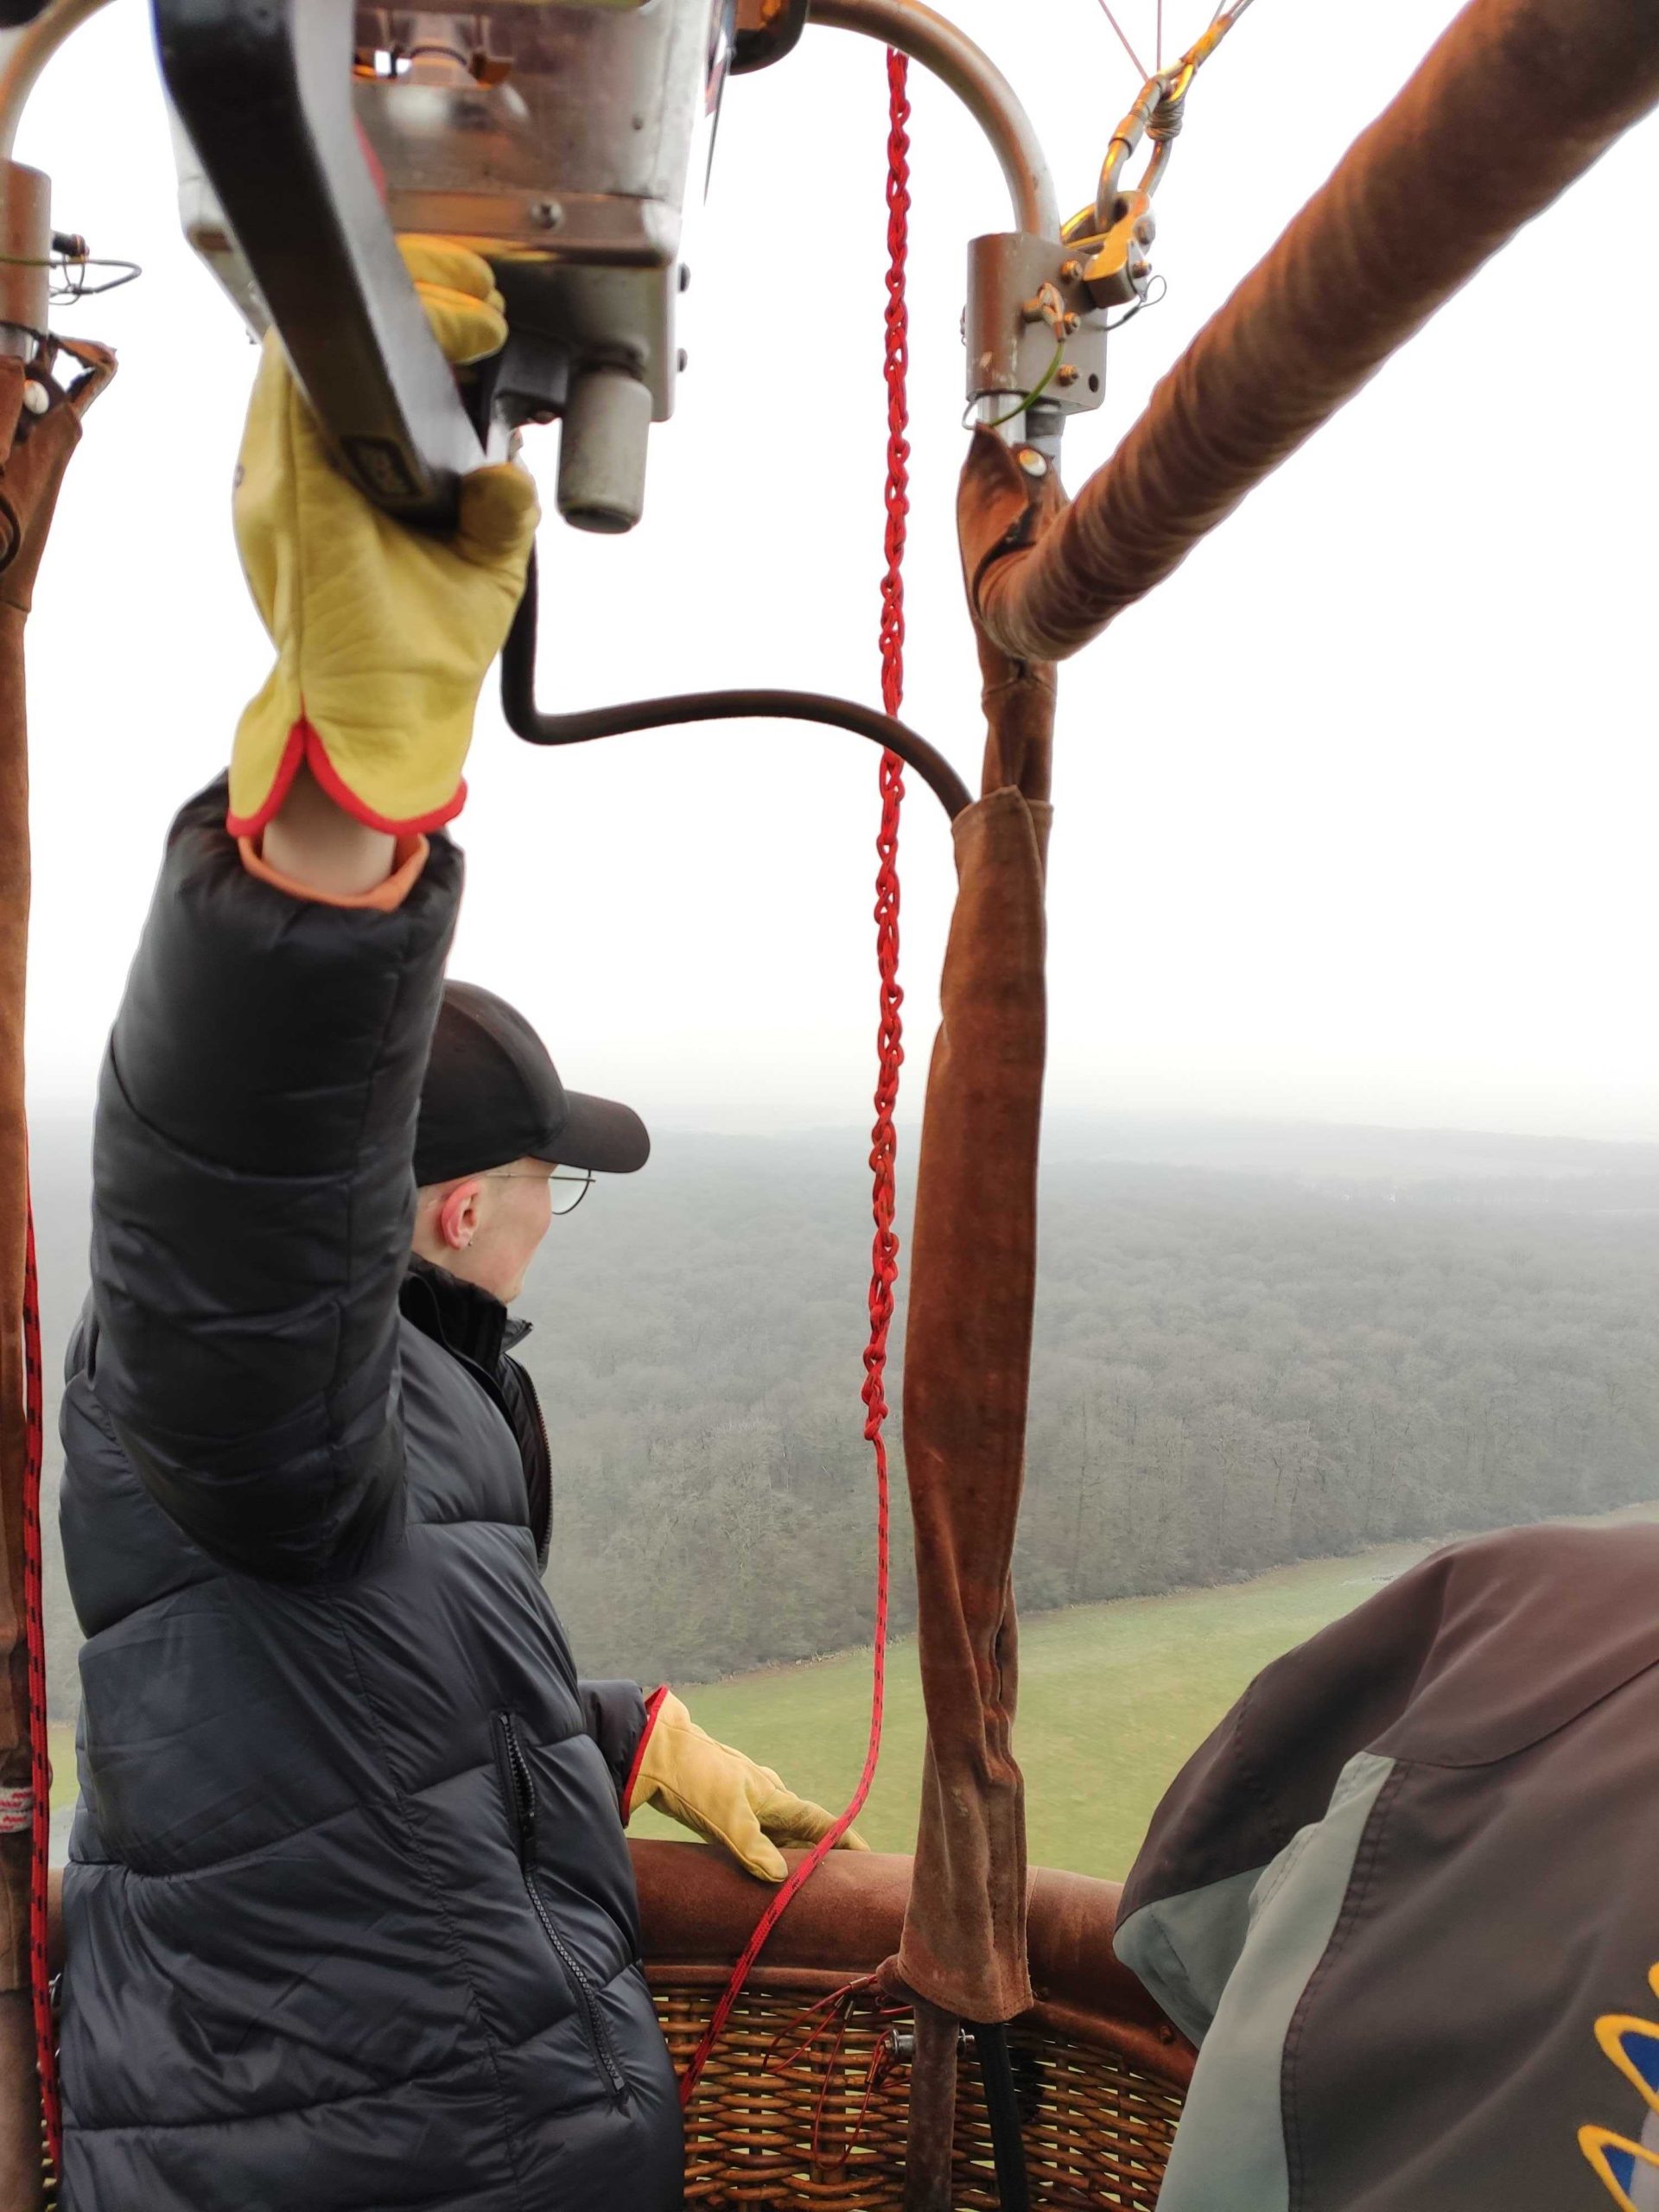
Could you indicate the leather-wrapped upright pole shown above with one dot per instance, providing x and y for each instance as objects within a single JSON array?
[
  {"x": 967, "y": 1370},
  {"x": 34, "y": 450},
  {"x": 1515, "y": 101},
  {"x": 967, "y": 1373},
  {"x": 967, "y": 1377}
]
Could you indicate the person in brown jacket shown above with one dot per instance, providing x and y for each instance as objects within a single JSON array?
[{"x": 1405, "y": 1899}]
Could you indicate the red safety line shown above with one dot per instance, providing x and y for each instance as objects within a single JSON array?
[
  {"x": 884, "y": 1253},
  {"x": 45, "y": 2042}
]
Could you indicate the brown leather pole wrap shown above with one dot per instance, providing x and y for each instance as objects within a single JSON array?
[
  {"x": 967, "y": 1362},
  {"x": 930, "y": 2118},
  {"x": 34, "y": 450},
  {"x": 34, "y": 453},
  {"x": 1517, "y": 99}
]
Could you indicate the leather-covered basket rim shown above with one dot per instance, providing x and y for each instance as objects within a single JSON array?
[{"x": 698, "y": 1910}]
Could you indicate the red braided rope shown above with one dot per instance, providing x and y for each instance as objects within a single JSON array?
[
  {"x": 884, "y": 1253},
  {"x": 46, "y": 2044}
]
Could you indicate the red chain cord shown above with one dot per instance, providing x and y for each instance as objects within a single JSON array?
[
  {"x": 884, "y": 1255},
  {"x": 46, "y": 2044}
]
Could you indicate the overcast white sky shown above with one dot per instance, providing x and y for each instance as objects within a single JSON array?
[{"x": 1356, "y": 816}]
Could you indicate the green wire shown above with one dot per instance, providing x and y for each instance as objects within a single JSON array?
[
  {"x": 71, "y": 266},
  {"x": 1048, "y": 376}
]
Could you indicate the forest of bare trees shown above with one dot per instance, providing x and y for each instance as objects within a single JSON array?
[{"x": 1300, "y": 1353}]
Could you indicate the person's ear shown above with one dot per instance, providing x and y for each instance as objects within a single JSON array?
[{"x": 457, "y": 1219}]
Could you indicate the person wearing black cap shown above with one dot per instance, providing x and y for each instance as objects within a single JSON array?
[
  {"x": 493, "y": 1111},
  {"x": 350, "y": 1921}
]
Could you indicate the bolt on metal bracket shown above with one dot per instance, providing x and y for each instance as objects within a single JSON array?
[{"x": 1029, "y": 301}]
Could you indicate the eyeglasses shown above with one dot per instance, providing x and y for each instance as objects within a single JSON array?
[{"x": 565, "y": 1191}]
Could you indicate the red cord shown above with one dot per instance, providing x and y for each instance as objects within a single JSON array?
[
  {"x": 884, "y": 1254},
  {"x": 46, "y": 2046}
]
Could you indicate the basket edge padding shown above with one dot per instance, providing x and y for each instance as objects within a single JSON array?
[{"x": 697, "y": 1908}]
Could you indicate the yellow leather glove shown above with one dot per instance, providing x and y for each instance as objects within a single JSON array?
[
  {"x": 723, "y": 1796},
  {"x": 383, "y": 633}
]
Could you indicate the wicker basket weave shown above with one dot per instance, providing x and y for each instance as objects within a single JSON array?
[
  {"x": 788, "y": 2121},
  {"x": 1097, "y": 2132},
  {"x": 771, "y": 2135},
  {"x": 788, "y": 2115}
]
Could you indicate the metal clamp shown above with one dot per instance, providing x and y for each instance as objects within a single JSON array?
[
  {"x": 1031, "y": 328},
  {"x": 1117, "y": 270}
]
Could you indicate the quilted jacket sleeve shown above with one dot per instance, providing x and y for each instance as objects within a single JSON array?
[
  {"x": 253, "y": 1197},
  {"x": 613, "y": 1715}
]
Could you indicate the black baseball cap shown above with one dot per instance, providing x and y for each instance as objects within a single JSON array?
[{"x": 492, "y": 1094}]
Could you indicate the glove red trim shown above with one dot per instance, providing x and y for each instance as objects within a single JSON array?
[
  {"x": 304, "y": 746},
  {"x": 653, "y": 1706}
]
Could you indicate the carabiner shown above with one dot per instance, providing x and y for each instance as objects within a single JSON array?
[{"x": 1158, "y": 114}]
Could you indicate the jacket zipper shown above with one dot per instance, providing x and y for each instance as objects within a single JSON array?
[{"x": 520, "y": 1786}]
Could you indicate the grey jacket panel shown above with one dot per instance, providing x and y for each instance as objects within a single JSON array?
[
  {"x": 1183, "y": 1949},
  {"x": 1645, "y": 2177},
  {"x": 1231, "y": 2146}
]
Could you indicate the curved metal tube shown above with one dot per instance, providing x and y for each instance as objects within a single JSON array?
[
  {"x": 26, "y": 54},
  {"x": 977, "y": 81}
]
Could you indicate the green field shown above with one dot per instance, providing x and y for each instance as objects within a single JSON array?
[
  {"x": 65, "y": 1786},
  {"x": 1112, "y": 1699}
]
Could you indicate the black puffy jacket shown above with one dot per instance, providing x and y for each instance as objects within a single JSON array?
[{"x": 350, "y": 1922}]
